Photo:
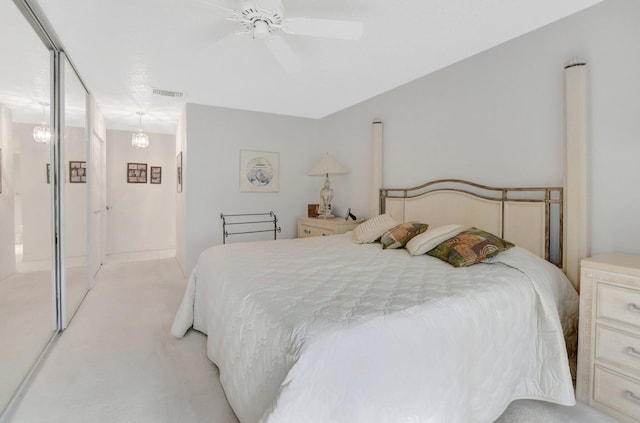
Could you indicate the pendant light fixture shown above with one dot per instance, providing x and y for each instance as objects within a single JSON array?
[
  {"x": 42, "y": 132},
  {"x": 140, "y": 139}
]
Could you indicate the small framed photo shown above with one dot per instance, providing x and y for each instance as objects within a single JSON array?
[
  {"x": 77, "y": 172},
  {"x": 156, "y": 175},
  {"x": 137, "y": 173},
  {"x": 48, "y": 173},
  {"x": 312, "y": 210},
  {"x": 179, "y": 171},
  {"x": 259, "y": 171}
]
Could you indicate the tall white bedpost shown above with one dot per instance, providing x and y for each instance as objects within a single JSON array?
[
  {"x": 576, "y": 169},
  {"x": 376, "y": 174}
]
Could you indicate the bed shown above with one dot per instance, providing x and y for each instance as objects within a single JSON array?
[{"x": 326, "y": 330}]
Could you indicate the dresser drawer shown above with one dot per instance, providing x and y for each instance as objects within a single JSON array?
[
  {"x": 618, "y": 392},
  {"x": 618, "y": 347},
  {"x": 618, "y": 304},
  {"x": 306, "y": 231}
]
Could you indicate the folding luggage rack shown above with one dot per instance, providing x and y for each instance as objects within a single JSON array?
[{"x": 249, "y": 219}]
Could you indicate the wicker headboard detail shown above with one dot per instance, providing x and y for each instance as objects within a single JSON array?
[{"x": 529, "y": 217}]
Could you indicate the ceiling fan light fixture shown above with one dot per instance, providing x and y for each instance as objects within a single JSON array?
[
  {"x": 260, "y": 29},
  {"x": 140, "y": 139}
]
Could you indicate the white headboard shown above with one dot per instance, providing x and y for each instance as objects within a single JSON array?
[
  {"x": 529, "y": 217},
  {"x": 518, "y": 218}
]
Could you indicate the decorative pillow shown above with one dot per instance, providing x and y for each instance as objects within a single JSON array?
[
  {"x": 424, "y": 242},
  {"x": 398, "y": 236},
  {"x": 469, "y": 247},
  {"x": 373, "y": 228}
]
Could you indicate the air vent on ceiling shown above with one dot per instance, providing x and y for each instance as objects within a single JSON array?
[{"x": 168, "y": 93}]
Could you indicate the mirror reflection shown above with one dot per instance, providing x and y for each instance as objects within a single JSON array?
[
  {"x": 75, "y": 190},
  {"x": 26, "y": 300}
]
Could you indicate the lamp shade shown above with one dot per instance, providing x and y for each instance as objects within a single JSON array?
[{"x": 328, "y": 165}]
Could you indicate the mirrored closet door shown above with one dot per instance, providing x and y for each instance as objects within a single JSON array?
[
  {"x": 74, "y": 148},
  {"x": 43, "y": 193},
  {"x": 27, "y": 305}
]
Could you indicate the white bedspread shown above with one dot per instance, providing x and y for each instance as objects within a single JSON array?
[{"x": 323, "y": 330}]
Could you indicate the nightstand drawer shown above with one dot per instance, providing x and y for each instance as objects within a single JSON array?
[
  {"x": 308, "y": 226},
  {"x": 618, "y": 392},
  {"x": 618, "y": 347},
  {"x": 618, "y": 304},
  {"x": 307, "y": 231}
]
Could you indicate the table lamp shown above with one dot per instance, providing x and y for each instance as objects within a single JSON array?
[{"x": 328, "y": 165}]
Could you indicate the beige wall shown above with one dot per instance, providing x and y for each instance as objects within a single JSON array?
[
  {"x": 497, "y": 119},
  {"x": 215, "y": 137},
  {"x": 142, "y": 217}
]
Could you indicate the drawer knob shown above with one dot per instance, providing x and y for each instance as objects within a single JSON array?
[
  {"x": 634, "y": 308},
  {"x": 633, "y": 352},
  {"x": 631, "y": 397},
  {"x": 307, "y": 231}
]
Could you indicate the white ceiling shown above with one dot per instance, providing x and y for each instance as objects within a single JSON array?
[{"x": 125, "y": 48}]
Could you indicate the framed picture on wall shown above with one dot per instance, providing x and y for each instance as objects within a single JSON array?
[
  {"x": 156, "y": 175},
  {"x": 137, "y": 173},
  {"x": 259, "y": 171},
  {"x": 48, "y": 173},
  {"x": 179, "y": 171},
  {"x": 77, "y": 172}
]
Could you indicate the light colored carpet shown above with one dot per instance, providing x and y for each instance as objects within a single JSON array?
[
  {"x": 117, "y": 362},
  {"x": 26, "y": 325},
  {"x": 26, "y": 319}
]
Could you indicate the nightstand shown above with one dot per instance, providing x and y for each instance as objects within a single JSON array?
[
  {"x": 609, "y": 337},
  {"x": 311, "y": 226}
]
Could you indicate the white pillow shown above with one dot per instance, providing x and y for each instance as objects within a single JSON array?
[
  {"x": 430, "y": 239},
  {"x": 373, "y": 228}
]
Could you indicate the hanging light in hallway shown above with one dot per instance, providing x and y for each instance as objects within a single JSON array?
[
  {"x": 140, "y": 139},
  {"x": 42, "y": 132}
]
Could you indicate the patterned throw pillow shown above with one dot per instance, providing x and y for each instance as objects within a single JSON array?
[
  {"x": 398, "y": 236},
  {"x": 469, "y": 247}
]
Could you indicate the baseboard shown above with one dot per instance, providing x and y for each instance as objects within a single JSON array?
[{"x": 139, "y": 256}]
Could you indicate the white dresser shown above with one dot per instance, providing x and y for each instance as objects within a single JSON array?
[
  {"x": 609, "y": 339},
  {"x": 311, "y": 226}
]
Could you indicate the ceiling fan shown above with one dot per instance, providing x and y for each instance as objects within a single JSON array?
[{"x": 264, "y": 20}]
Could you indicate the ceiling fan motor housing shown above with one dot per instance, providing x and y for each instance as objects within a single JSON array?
[{"x": 259, "y": 23}]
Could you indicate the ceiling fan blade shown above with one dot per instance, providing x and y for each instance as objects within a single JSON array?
[
  {"x": 327, "y": 28},
  {"x": 229, "y": 9},
  {"x": 283, "y": 53},
  {"x": 264, "y": 4}
]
